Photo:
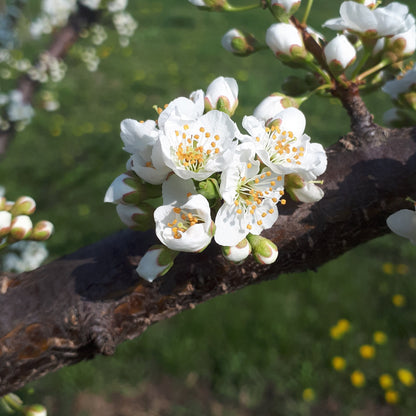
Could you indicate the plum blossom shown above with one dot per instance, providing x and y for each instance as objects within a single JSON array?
[
  {"x": 184, "y": 222},
  {"x": 403, "y": 223},
  {"x": 382, "y": 21},
  {"x": 139, "y": 140},
  {"x": 283, "y": 147},
  {"x": 198, "y": 148},
  {"x": 222, "y": 94},
  {"x": 272, "y": 105},
  {"x": 250, "y": 196},
  {"x": 285, "y": 39},
  {"x": 339, "y": 54}
]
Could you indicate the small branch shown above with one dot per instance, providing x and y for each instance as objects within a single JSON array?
[
  {"x": 88, "y": 302},
  {"x": 63, "y": 41}
]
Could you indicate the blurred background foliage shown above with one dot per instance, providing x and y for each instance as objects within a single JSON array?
[{"x": 266, "y": 350}]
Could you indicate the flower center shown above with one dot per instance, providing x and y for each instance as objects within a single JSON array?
[
  {"x": 280, "y": 147},
  {"x": 182, "y": 221},
  {"x": 252, "y": 192},
  {"x": 195, "y": 149}
]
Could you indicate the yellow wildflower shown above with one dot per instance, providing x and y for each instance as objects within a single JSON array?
[
  {"x": 367, "y": 351},
  {"x": 398, "y": 300},
  {"x": 379, "y": 337},
  {"x": 339, "y": 363},
  {"x": 387, "y": 268},
  {"x": 391, "y": 396},
  {"x": 406, "y": 377},
  {"x": 402, "y": 269},
  {"x": 338, "y": 330},
  {"x": 308, "y": 395},
  {"x": 386, "y": 381},
  {"x": 357, "y": 378}
]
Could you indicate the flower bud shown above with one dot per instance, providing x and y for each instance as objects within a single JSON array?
[
  {"x": 128, "y": 188},
  {"x": 403, "y": 223},
  {"x": 302, "y": 190},
  {"x": 42, "y": 231},
  {"x": 210, "y": 4},
  {"x": 401, "y": 45},
  {"x": 156, "y": 262},
  {"x": 24, "y": 205},
  {"x": 286, "y": 43},
  {"x": 2, "y": 203},
  {"x": 239, "y": 42},
  {"x": 283, "y": 9},
  {"x": 238, "y": 253},
  {"x": 339, "y": 54},
  {"x": 5, "y": 223},
  {"x": 264, "y": 250},
  {"x": 136, "y": 218},
  {"x": 209, "y": 188},
  {"x": 11, "y": 403},
  {"x": 35, "y": 410},
  {"x": 272, "y": 105},
  {"x": 21, "y": 227},
  {"x": 222, "y": 95}
]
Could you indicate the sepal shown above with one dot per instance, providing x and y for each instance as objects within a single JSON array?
[{"x": 264, "y": 250}]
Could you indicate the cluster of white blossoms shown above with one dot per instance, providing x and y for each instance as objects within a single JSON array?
[
  {"x": 55, "y": 13},
  {"x": 194, "y": 176},
  {"x": 378, "y": 36}
]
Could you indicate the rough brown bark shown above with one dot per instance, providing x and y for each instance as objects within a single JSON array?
[{"x": 88, "y": 302}]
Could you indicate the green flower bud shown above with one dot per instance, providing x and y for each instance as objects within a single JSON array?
[
  {"x": 128, "y": 188},
  {"x": 42, "y": 231},
  {"x": 209, "y": 188},
  {"x": 240, "y": 43},
  {"x": 211, "y": 5},
  {"x": 5, "y": 223},
  {"x": 238, "y": 253},
  {"x": 283, "y": 10},
  {"x": 21, "y": 227},
  {"x": 10, "y": 403},
  {"x": 35, "y": 410},
  {"x": 24, "y": 205},
  {"x": 2, "y": 203},
  {"x": 157, "y": 261},
  {"x": 264, "y": 250}
]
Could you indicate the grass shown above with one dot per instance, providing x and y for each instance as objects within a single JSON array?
[{"x": 258, "y": 350}]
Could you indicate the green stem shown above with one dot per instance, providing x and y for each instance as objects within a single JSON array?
[
  {"x": 320, "y": 71},
  {"x": 307, "y": 11},
  {"x": 229, "y": 8},
  {"x": 361, "y": 63},
  {"x": 373, "y": 69}
]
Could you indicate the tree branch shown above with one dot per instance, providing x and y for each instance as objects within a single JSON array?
[
  {"x": 62, "y": 42},
  {"x": 88, "y": 302}
]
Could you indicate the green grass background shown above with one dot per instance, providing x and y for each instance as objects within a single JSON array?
[{"x": 256, "y": 350}]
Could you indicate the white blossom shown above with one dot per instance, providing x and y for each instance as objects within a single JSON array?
[
  {"x": 399, "y": 86},
  {"x": 184, "y": 222},
  {"x": 250, "y": 196},
  {"x": 403, "y": 223},
  {"x": 382, "y": 21},
  {"x": 198, "y": 148},
  {"x": 283, "y": 146}
]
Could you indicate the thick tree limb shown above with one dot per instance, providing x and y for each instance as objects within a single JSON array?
[
  {"x": 90, "y": 301},
  {"x": 59, "y": 47}
]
